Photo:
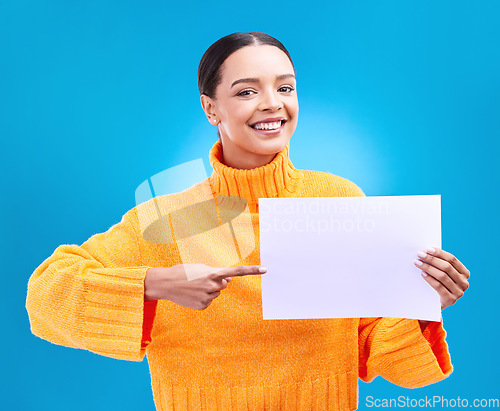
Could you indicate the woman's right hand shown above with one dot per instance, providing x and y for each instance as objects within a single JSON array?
[{"x": 191, "y": 285}]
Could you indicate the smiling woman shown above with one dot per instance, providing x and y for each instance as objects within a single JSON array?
[
  {"x": 208, "y": 348},
  {"x": 254, "y": 101}
]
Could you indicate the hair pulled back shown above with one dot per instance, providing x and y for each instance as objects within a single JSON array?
[{"x": 209, "y": 69}]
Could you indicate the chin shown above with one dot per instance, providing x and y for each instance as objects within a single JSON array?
[{"x": 273, "y": 145}]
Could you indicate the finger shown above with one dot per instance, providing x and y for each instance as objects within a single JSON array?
[
  {"x": 440, "y": 276},
  {"x": 446, "y": 297},
  {"x": 224, "y": 283},
  {"x": 444, "y": 266},
  {"x": 238, "y": 271},
  {"x": 214, "y": 294},
  {"x": 228, "y": 279},
  {"x": 215, "y": 288},
  {"x": 450, "y": 258}
]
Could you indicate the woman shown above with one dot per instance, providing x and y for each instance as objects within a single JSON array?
[{"x": 122, "y": 295}]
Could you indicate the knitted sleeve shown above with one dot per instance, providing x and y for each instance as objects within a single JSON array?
[
  {"x": 397, "y": 350},
  {"x": 92, "y": 296}
]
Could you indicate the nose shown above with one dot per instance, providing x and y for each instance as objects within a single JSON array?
[{"x": 271, "y": 100}]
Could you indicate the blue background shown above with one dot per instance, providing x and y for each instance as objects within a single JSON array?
[{"x": 95, "y": 97}]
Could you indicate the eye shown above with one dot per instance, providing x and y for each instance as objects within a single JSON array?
[
  {"x": 245, "y": 93},
  {"x": 286, "y": 89}
]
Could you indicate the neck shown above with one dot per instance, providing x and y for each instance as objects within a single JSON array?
[
  {"x": 277, "y": 178},
  {"x": 248, "y": 162},
  {"x": 235, "y": 157}
]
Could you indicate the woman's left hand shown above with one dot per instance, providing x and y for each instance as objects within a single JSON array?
[{"x": 444, "y": 272}]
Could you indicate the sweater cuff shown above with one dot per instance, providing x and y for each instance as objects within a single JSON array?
[
  {"x": 116, "y": 321},
  {"x": 420, "y": 360},
  {"x": 435, "y": 335}
]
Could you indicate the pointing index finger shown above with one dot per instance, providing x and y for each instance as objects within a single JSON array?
[{"x": 239, "y": 271}]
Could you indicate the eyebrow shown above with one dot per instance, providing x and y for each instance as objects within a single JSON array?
[{"x": 256, "y": 80}]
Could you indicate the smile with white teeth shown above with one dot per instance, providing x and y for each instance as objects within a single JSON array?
[{"x": 267, "y": 126}]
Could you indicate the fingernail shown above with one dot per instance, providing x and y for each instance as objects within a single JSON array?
[
  {"x": 421, "y": 254},
  {"x": 431, "y": 250},
  {"x": 418, "y": 262},
  {"x": 262, "y": 269},
  {"x": 424, "y": 274},
  {"x": 228, "y": 279}
]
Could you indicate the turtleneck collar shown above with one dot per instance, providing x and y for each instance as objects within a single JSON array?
[{"x": 275, "y": 179}]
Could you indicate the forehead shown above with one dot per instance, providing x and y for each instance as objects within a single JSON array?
[{"x": 255, "y": 61}]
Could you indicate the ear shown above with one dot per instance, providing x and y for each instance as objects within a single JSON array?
[{"x": 208, "y": 105}]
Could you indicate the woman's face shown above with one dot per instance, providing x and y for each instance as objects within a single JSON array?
[{"x": 255, "y": 105}]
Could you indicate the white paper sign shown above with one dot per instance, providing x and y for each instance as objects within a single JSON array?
[{"x": 348, "y": 257}]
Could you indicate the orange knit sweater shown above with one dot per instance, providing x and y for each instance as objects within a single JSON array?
[{"x": 225, "y": 357}]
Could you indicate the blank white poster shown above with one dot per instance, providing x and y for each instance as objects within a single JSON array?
[{"x": 348, "y": 257}]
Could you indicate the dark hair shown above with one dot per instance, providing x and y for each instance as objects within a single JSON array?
[{"x": 209, "y": 75}]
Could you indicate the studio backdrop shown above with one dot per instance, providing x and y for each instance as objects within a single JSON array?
[{"x": 400, "y": 97}]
